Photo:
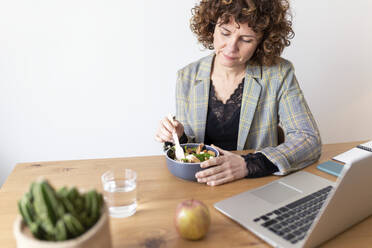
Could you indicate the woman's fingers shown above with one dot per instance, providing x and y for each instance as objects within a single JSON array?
[
  {"x": 226, "y": 168},
  {"x": 212, "y": 162},
  {"x": 164, "y": 137},
  {"x": 166, "y": 128},
  {"x": 221, "y": 151},
  {"x": 164, "y": 133},
  {"x": 209, "y": 172},
  {"x": 220, "y": 181},
  {"x": 217, "y": 179},
  {"x": 222, "y": 177},
  {"x": 167, "y": 125},
  {"x": 158, "y": 139}
]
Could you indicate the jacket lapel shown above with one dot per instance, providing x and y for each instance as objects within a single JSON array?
[
  {"x": 200, "y": 98},
  {"x": 251, "y": 95}
]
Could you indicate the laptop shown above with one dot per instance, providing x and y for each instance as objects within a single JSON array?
[{"x": 302, "y": 209}]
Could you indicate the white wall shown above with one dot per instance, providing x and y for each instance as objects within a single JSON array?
[
  {"x": 332, "y": 54},
  {"x": 91, "y": 79}
]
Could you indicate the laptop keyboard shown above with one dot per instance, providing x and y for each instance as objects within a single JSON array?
[{"x": 292, "y": 221}]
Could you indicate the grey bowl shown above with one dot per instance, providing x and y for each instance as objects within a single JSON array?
[{"x": 185, "y": 171}]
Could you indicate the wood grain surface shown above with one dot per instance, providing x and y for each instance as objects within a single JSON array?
[{"x": 159, "y": 192}]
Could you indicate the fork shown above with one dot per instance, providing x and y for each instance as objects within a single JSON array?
[{"x": 180, "y": 154}]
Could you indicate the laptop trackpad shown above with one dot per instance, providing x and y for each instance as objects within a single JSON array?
[{"x": 276, "y": 192}]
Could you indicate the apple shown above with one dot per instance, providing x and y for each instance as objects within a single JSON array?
[{"x": 192, "y": 219}]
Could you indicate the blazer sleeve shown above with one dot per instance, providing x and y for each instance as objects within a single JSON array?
[{"x": 302, "y": 145}]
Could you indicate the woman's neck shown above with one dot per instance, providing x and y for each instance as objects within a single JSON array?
[
  {"x": 229, "y": 74},
  {"x": 225, "y": 80}
]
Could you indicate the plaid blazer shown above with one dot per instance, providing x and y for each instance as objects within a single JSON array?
[{"x": 271, "y": 97}]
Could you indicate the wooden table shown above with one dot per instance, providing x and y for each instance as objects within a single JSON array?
[{"x": 159, "y": 192}]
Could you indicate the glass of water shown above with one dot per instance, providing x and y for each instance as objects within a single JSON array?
[{"x": 120, "y": 192}]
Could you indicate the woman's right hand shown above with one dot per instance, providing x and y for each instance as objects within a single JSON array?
[{"x": 166, "y": 127}]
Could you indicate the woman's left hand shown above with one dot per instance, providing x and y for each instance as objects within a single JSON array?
[{"x": 226, "y": 168}]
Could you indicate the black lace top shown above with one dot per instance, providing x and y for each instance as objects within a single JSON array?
[
  {"x": 223, "y": 126},
  {"x": 223, "y": 119}
]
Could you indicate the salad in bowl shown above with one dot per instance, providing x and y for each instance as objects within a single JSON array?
[{"x": 195, "y": 154}]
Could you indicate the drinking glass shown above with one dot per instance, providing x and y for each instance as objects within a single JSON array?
[{"x": 120, "y": 192}]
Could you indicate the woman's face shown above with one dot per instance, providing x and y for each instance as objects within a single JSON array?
[{"x": 234, "y": 44}]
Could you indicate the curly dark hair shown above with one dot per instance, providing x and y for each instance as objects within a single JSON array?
[{"x": 270, "y": 18}]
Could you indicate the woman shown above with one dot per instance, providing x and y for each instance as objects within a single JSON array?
[{"x": 237, "y": 97}]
